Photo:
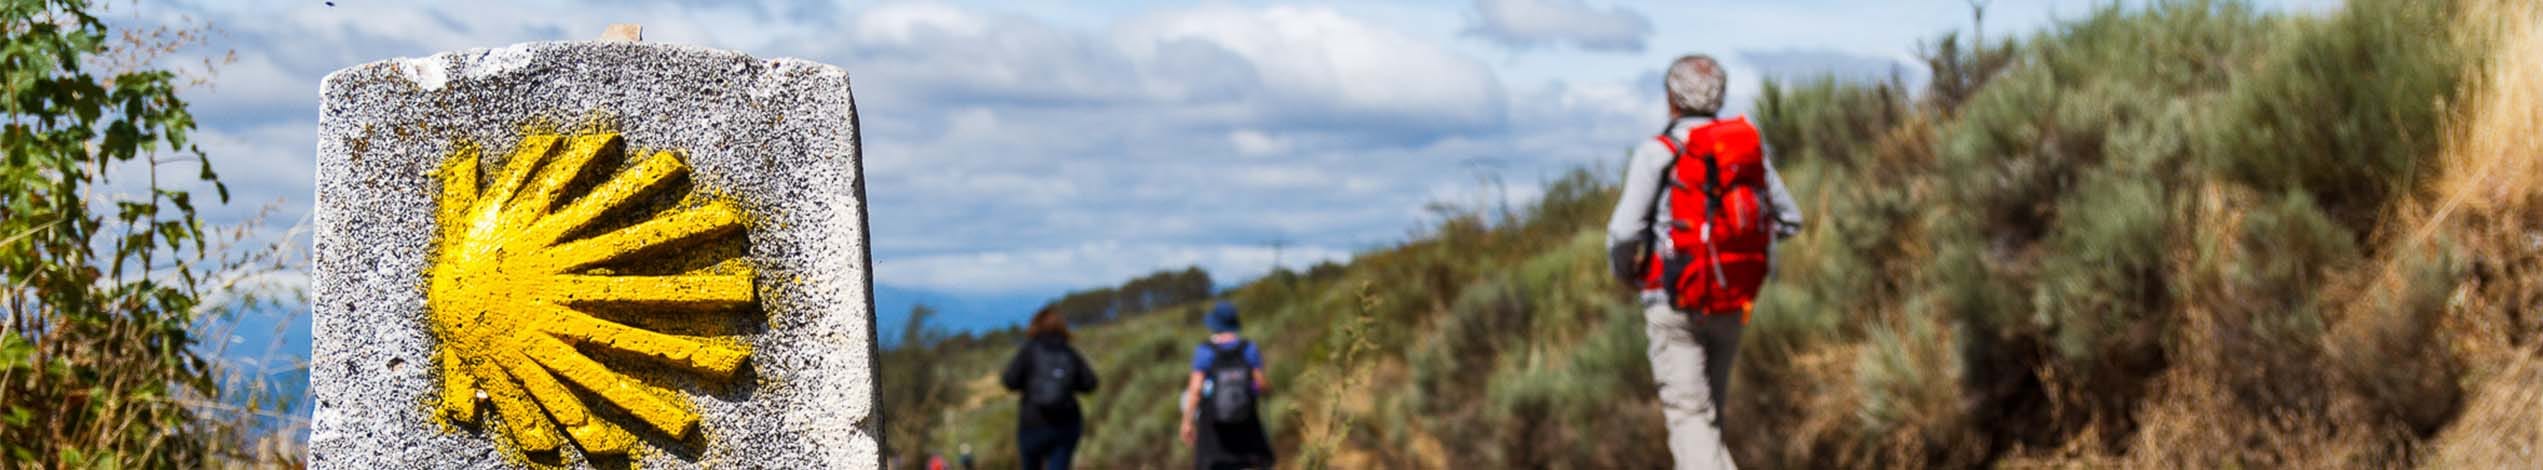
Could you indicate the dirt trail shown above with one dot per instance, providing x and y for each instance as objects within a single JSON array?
[{"x": 978, "y": 391}]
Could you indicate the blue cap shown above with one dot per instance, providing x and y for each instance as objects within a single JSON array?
[{"x": 1222, "y": 318}]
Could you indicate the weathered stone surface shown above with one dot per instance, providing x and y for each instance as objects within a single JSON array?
[{"x": 772, "y": 140}]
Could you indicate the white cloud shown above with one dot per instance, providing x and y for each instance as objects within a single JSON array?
[
  {"x": 1801, "y": 65},
  {"x": 938, "y": 54},
  {"x": 1253, "y": 142},
  {"x": 1279, "y": 176},
  {"x": 1094, "y": 263},
  {"x": 270, "y": 160},
  {"x": 1062, "y": 144},
  {"x": 1529, "y": 23},
  {"x": 1346, "y": 71},
  {"x": 254, "y": 88},
  {"x": 1124, "y": 137},
  {"x": 905, "y": 23},
  {"x": 1147, "y": 156}
]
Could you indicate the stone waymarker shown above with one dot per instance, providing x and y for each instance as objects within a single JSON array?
[{"x": 591, "y": 253}]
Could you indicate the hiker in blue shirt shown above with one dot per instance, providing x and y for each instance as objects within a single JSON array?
[{"x": 1219, "y": 403}]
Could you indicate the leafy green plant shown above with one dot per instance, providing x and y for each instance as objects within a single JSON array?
[{"x": 105, "y": 268}]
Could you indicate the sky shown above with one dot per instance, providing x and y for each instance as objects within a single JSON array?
[{"x": 1019, "y": 149}]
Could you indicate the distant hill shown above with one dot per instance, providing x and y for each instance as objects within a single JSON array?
[
  {"x": 1448, "y": 327},
  {"x": 956, "y": 312}
]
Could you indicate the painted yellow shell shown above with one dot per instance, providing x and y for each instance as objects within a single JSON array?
[{"x": 506, "y": 292}]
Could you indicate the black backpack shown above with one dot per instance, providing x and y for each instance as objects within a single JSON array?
[
  {"x": 1051, "y": 371},
  {"x": 1231, "y": 397}
]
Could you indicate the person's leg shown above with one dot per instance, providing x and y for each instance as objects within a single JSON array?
[
  {"x": 1257, "y": 445},
  {"x": 1031, "y": 446},
  {"x": 1064, "y": 447},
  {"x": 1720, "y": 337},
  {"x": 1204, "y": 444},
  {"x": 1686, "y": 402}
]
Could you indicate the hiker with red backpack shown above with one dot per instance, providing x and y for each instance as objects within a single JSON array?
[
  {"x": 1221, "y": 418},
  {"x": 1701, "y": 210},
  {"x": 1050, "y": 375}
]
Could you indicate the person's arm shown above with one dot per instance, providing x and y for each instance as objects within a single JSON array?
[
  {"x": 1787, "y": 213},
  {"x": 1085, "y": 374},
  {"x": 1629, "y": 226},
  {"x": 1191, "y": 400},
  {"x": 1015, "y": 374},
  {"x": 1254, "y": 356}
]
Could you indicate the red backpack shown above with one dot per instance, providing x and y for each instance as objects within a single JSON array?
[{"x": 1714, "y": 258}]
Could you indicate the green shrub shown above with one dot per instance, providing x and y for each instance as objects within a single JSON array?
[
  {"x": 2049, "y": 226},
  {"x": 1912, "y": 394},
  {"x": 1451, "y": 368},
  {"x": 2348, "y": 111},
  {"x": 2102, "y": 271}
]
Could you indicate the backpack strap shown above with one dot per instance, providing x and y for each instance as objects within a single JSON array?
[
  {"x": 1237, "y": 347},
  {"x": 1713, "y": 187},
  {"x": 1668, "y": 179},
  {"x": 1050, "y": 352}
]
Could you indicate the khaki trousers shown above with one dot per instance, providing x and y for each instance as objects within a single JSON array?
[{"x": 1691, "y": 360}]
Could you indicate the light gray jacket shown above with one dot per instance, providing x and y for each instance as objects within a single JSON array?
[{"x": 1626, "y": 228}]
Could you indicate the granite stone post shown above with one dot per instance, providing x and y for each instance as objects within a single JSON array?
[{"x": 591, "y": 254}]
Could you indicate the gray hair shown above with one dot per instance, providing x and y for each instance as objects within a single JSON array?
[{"x": 1695, "y": 85}]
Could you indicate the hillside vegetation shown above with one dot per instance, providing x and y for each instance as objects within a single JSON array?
[{"x": 2190, "y": 234}]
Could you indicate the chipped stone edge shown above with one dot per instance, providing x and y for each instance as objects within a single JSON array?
[{"x": 432, "y": 72}]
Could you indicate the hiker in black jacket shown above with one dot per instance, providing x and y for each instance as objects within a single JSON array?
[{"x": 1049, "y": 375}]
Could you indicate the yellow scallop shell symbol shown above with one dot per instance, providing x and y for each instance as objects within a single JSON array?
[{"x": 512, "y": 298}]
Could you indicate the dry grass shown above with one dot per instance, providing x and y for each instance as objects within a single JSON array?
[
  {"x": 2386, "y": 382},
  {"x": 2504, "y": 423},
  {"x": 2488, "y": 204}
]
